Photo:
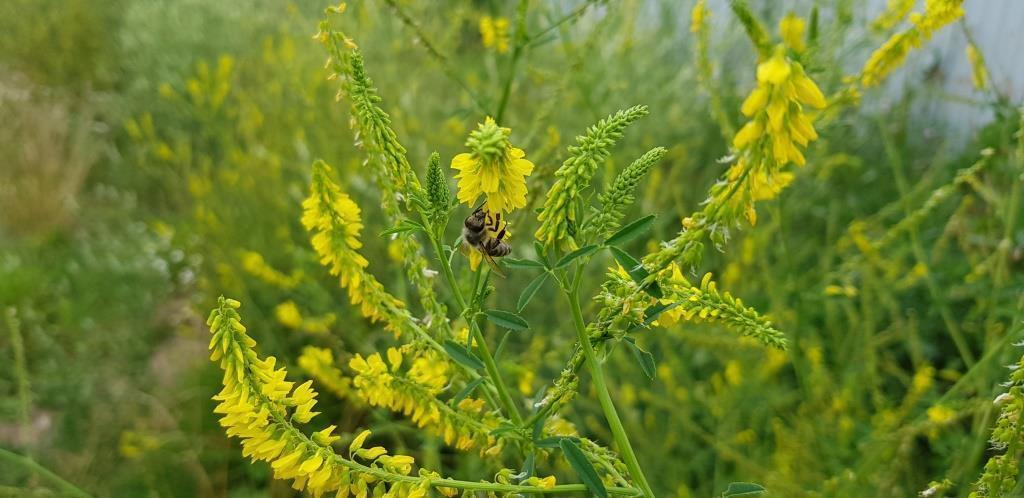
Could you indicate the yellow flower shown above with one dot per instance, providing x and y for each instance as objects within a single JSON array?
[
  {"x": 494, "y": 33},
  {"x": 542, "y": 482},
  {"x": 940, "y": 416},
  {"x": 776, "y": 107},
  {"x": 493, "y": 169},
  {"x": 319, "y": 364},
  {"x": 699, "y": 16},
  {"x": 288, "y": 314},
  {"x": 791, "y": 28},
  {"x": 893, "y": 52},
  {"x": 979, "y": 75}
]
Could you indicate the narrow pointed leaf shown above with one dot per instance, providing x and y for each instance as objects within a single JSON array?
[
  {"x": 743, "y": 489},
  {"x": 466, "y": 391},
  {"x": 631, "y": 231},
  {"x": 506, "y": 319},
  {"x": 643, "y": 357},
  {"x": 578, "y": 253},
  {"x": 522, "y": 263},
  {"x": 462, "y": 356},
  {"x": 584, "y": 469},
  {"x": 531, "y": 290}
]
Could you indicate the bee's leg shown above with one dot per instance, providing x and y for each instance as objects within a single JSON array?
[{"x": 500, "y": 236}]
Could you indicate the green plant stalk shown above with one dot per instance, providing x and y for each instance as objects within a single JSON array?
[
  {"x": 22, "y": 461},
  {"x": 517, "y": 52},
  {"x": 20, "y": 370},
  {"x": 504, "y": 397},
  {"x": 597, "y": 377},
  {"x": 492, "y": 371}
]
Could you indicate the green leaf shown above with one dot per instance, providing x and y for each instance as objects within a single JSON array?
[
  {"x": 522, "y": 263},
  {"x": 506, "y": 319},
  {"x": 631, "y": 231},
  {"x": 549, "y": 442},
  {"x": 583, "y": 467},
  {"x": 466, "y": 391},
  {"x": 643, "y": 357},
  {"x": 743, "y": 489},
  {"x": 651, "y": 313},
  {"x": 403, "y": 227},
  {"x": 530, "y": 291},
  {"x": 636, "y": 270},
  {"x": 578, "y": 253},
  {"x": 623, "y": 258},
  {"x": 462, "y": 356},
  {"x": 501, "y": 345}
]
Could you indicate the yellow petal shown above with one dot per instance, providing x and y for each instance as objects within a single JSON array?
[
  {"x": 808, "y": 92},
  {"x": 774, "y": 70},
  {"x": 755, "y": 101}
]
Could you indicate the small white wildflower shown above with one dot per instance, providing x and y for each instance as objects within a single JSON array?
[{"x": 427, "y": 272}]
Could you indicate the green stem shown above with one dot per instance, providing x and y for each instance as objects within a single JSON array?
[
  {"x": 505, "y": 399},
  {"x": 517, "y": 52},
  {"x": 492, "y": 371},
  {"x": 30, "y": 464},
  {"x": 597, "y": 375}
]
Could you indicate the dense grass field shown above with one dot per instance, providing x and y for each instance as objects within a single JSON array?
[{"x": 722, "y": 249}]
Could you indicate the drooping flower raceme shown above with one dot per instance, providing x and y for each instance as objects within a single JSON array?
[
  {"x": 777, "y": 131},
  {"x": 492, "y": 168},
  {"x": 892, "y": 54},
  {"x": 334, "y": 219}
]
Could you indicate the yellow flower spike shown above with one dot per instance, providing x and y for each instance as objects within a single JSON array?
[
  {"x": 334, "y": 219},
  {"x": 492, "y": 169}
]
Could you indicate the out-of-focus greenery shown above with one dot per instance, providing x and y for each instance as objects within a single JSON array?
[{"x": 154, "y": 154}]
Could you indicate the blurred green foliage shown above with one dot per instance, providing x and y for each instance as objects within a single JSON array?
[{"x": 160, "y": 150}]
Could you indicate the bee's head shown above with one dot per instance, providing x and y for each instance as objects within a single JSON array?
[{"x": 477, "y": 220}]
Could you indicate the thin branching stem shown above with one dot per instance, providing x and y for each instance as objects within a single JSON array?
[{"x": 603, "y": 395}]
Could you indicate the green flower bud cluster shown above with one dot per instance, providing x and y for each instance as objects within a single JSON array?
[
  {"x": 438, "y": 194},
  {"x": 561, "y": 208},
  {"x": 617, "y": 198}
]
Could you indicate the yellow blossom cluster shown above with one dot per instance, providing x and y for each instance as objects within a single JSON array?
[
  {"x": 254, "y": 264},
  {"x": 494, "y": 33},
  {"x": 892, "y": 54},
  {"x": 259, "y": 406},
  {"x": 706, "y": 303},
  {"x": 319, "y": 364},
  {"x": 492, "y": 168},
  {"x": 335, "y": 222},
  {"x": 413, "y": 391},
  {"x": 775, "y": 134},
  {"x": 288, "y": 314}
]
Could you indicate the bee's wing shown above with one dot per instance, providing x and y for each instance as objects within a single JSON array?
[{"x": 493, "y": 264}]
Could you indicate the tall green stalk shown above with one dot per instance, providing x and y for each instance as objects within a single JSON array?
[
  {"x": 603, "y": 395},
  {"x": 508, "y": 405}
]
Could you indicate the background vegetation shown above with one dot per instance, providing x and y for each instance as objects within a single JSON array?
[{"x": 155, "y": 154}]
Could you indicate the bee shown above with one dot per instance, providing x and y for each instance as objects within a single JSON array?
[{"x": 477, "y": 233}]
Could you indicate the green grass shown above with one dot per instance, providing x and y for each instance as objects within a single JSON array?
[{"x": 135, "y": 199}]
